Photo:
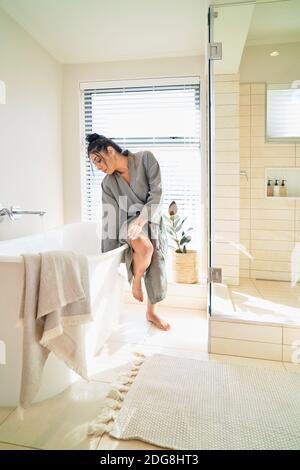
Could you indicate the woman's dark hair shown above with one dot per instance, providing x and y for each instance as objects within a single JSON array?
[{"x": 100, "y": 142}]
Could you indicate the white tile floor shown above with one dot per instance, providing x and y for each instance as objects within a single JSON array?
[
  {"x": 61, "y": 422},
  {"x": 266, "y": 301}
]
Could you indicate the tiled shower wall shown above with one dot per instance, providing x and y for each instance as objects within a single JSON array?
[
  {"x": 227, "y": 179},
  {"x": 269, "y": 228}
]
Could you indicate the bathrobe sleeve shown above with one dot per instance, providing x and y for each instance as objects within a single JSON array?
[
  {"x": 151, "y": 211},
  {"x": 110, "y": 220}
]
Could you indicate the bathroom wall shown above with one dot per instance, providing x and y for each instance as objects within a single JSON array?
[
  {"x": 257, "y": 66},
  {"x": 74, "y": 74},
  {"x": 269, "y": 228},
  {"x": 30, "y": 131},
  {"x": 227, "y": 179}
]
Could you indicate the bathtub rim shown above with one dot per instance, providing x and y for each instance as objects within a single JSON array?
[{"x": 19, "y": 259}]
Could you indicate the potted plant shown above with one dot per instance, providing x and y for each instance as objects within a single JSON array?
[{"x": 185, "y": 262}]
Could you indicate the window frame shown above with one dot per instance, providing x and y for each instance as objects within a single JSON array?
[
  {"x": 269, "y": 139},
  {"x": 86, "y": 85}
]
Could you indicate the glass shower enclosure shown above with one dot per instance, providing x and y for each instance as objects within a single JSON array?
[{"x": 254, "y": 161}]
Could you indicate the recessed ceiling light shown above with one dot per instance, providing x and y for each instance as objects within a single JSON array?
[{"x": 274, "y": 54}]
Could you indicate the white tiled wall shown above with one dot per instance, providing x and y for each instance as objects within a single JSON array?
[
  {"x": 269, "y": 228},
  {"x": 227, "y": 180},
  {"x": 261, "y": 341}
]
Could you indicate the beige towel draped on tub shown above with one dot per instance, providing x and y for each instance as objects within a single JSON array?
[{"x": 54, "y": 305}]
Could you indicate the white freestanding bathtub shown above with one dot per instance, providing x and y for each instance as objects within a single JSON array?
[{"x": 107, "y": 285}]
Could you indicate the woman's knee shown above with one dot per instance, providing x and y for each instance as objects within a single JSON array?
[{"x": 142, "y": 245}]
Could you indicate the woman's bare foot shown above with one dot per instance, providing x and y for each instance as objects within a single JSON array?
[
  {"x": 154, "y": 318},
  {"x": 137, "y": 290}
]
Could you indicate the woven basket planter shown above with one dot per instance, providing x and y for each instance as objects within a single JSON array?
[{"x": 185, "y": 267}]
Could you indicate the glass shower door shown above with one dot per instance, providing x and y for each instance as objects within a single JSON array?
[
  {"x": 214, "y": 53},
  {"x": 254, "y": 163}
]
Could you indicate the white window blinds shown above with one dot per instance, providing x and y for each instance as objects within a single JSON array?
[
  {"x": 163, "y": 118},
  {"x": 283, "y": 111}
]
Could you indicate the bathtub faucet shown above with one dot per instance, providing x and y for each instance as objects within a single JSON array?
[{"x": 15, "y": 212}]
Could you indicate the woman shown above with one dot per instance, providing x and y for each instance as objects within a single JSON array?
[{"x": 132, "y": 200}]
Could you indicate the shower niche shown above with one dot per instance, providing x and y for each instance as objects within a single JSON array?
[{"x": 291, "y": 187}]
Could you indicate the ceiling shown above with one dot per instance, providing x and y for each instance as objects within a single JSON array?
[
  {"x": 80, "y": 31},
  {"x": 245, "y": 23},
  {"x": 272, "y": 21},
  {"x": 275, "y": 23}
]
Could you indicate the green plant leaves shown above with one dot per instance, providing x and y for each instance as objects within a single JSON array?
[
  {"x": 185, "y": 239},
  {"x": 174, "y": 225},
  {"x": 181, "y": 223}
]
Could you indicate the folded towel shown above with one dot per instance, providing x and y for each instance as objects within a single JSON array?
[{"x": 55, "y": 303}]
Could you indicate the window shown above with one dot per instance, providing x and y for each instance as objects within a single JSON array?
[
  {"x": 283, "y": 111},
  {"x": 161, "y": 116}
]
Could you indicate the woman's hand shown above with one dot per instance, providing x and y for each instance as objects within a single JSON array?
[
  {"x": 134, "y": 231},
  {"x": 135, "y": 228}
]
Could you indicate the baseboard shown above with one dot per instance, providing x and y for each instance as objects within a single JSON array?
[{"x": 179, "y": 295}]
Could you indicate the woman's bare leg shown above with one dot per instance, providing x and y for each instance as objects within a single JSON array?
[
  {"x": 142, "y": 254},
  {"x": 155, "y": 319}
]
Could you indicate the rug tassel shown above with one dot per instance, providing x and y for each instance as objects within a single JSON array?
[
  {"x": 130, "y": 380},
  {"x": 138, "y": 362},
  {"x": 106, "y": 416},
  {"x": 96, "y": 429},
  {"x": 139, "y": 354},
  {"x": 123, "y": 379},
  {"x": 134, "y": 373},
  {"x": 115, "y": 394},
  {"x": 120, "y": 387},
  {"x": 113, "y": 402}
]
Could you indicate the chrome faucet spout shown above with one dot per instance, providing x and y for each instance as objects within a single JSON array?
[
  {"x": 15, "y": 212},
  {"x": 5, "y": 211},
  {"x": 29, "y": 212}
]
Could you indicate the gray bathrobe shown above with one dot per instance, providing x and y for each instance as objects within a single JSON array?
[{"x": 122, "y": 203}]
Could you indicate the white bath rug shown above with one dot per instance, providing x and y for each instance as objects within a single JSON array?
[{"x": 181, "y": 403}]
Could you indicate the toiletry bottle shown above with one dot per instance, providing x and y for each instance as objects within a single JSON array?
[
  {"x": 269, "y": 188},
  {"x": 283, "y": 189},
  {"x": 276, "y": 188}
]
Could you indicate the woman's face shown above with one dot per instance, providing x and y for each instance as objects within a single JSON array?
[{"x": 103, "y": 160}]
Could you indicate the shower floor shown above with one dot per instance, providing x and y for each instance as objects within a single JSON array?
[{"x": 259, "y": 300}]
